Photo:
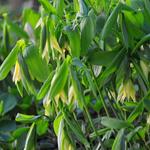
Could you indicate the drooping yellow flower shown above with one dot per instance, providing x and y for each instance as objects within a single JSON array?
[
  {"x": 54, "y": 44},
  {"x": 46, "y": 53},
  {"x": 71, "y": 95},
  {"x": 17, "y": 73},
  {"x": 126, "y": 90}
]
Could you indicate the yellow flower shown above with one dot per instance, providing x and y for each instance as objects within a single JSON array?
[
  {"x": 126, "y": 90},
  {"x": 17, "y": 74},
  {"x": 54, "y": 44}
]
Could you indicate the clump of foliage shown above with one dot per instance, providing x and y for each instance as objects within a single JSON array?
[{"x": 75, "y": 75}]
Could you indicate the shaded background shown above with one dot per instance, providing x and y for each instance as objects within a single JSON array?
[{"x": 15, "y": 6}]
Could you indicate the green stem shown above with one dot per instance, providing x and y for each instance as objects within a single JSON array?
[
  {"x": 118, "y": 108},
  {"x": 100, "y": 94},
  {"x": 92, "y": 125},
  {"x": 111, "y": 105}
]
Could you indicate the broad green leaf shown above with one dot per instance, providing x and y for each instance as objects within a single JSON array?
[
  {"x": 147, "y": 104},
  {"x": 30, "y": 143},
  {"x": 147, "y": 5},
  {"x": 124, "y": 31},
  {"x": 91, "y": 83},
  {"x": 136, "y": 112},
  {"x": 14, "y": 27},
  {"x": 26, "y": 118},
  {"x": 75, "y": 41},
  {"x": 9, "y": 102},
  {"x": 83, "y": 8},
  {"x": 6, "y": 137},
  {"x": 45, "y": 87},
  {"x": 25, "y": 76},
  {"x": 76, "y": 5},
  {"x": 114, "y": 123},
  {"x": 30, "y": 16},
  {"x": 103, "y": 58},
  {"x": 87, "y": 27},
  {"x": 8, "y": 63},
  {"x": 59, "y": 80},
  {"x": 75, "y": 129},
  {"x": 63, "y": 139},
  {"x": 57, "y": 122},
  {"x": 37, "y": 66},
  {"x": 60, "y": 7},
  {"x": 136, "y": 19},
  {"x": 119, "y": 143},
  {"x": 7, "y": 125},
  {"x": 19, "y": 131},
  {"x": 111, "y": 21},
  {"x": 77, "y": 87},
  {"x": 48, "y": 6},
  {"x": 42, "y": 126}
]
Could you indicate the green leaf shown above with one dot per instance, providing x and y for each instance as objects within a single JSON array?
[
  {"x": 43, "y": 36},
  {"x": 147, "y": 5},
  {"x": 75, "y": 41},
  {"x": 60, "y": 78},
  {"x": 25, "y": 76},
  {"x": 77, "y": 87},
  {"x": 75, "y": 129},
  {"x": 147, "y": 104},
  {"x": 136, "y": 112},
  {"x": 111, "y": 67},
  {"x": 56, "y": 123},
  {"x": 7, "y": 125},
  {"x": 42, "y": 126},
  {"x": 114, "y": 123},
  {"x": 6, "y": 39},
  {"x": 6, "y": 137},
  {"x": 76, "y": 5},
  {"x": 26, "y": 118},
  {"x": 30, "y": 143},
  {"x": 48, "y": 6},
  {"x": 60, "y": 7},
  {"x": 83, "y": 8},
  {"x": 19, "y": 131},
  {"x": 37, "y": 66},
  {"x": 87, "y": 27},
  {"x": 119, "y": 143},
  {"x": 111, "y": 21},
  {"x": 140, "y": 72},
  {"x": 124, "y": 32},
  {"x": 132, "y": 133},
  {"x": 45, "y": 87},
  {"x": 143, "y": 39},
  {"x": 30, "y": 16},
  {"x": 8, "y": 63},
  {"x": 99, "y": 132},
  {"x": 103, "y": 58},
  {"x": 17, "y": 29},
  {"x": 9, "y": 102},
  {"x": 1, "y": 107}
]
